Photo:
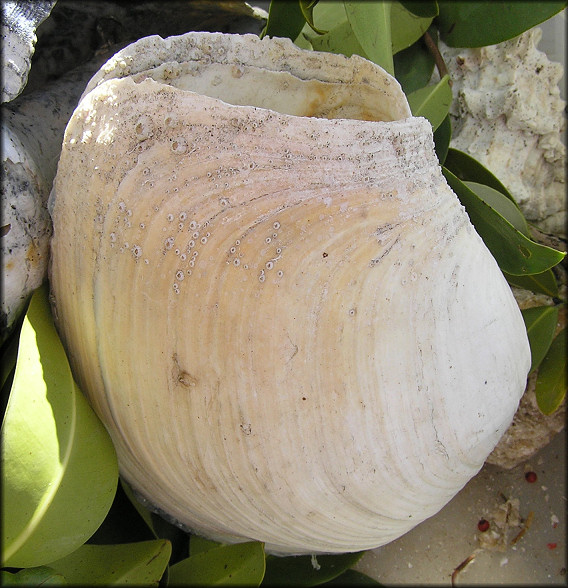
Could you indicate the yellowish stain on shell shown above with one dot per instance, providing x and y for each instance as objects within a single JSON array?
[{"x": 287, "y": 323}]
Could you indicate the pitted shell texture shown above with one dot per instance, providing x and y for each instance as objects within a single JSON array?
[{"x": 286, "y": 321}]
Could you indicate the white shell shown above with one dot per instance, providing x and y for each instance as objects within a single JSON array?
[
  {"x": 287, "y": 323},
  {"x": 32, "y": 132},
  {"x": 19, "y": 23},
  {"x": 26, "y": 228}
]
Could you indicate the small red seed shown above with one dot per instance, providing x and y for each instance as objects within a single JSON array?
[
  {"x": 531, "y": 477},
  {"x": 483, "y": 525},
  {"x": 551, "y": 545}
]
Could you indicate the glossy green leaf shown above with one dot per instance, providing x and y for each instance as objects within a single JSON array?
[
  {"x": 503, "y": 205},
  {"x": 199, "y": 544},
  {"x": 307, "y": 8},
  {"x": 305, "y": 570},
  {"x": 406, "y": 27},
  {"x": 432, "y": 102},
  {"x": 543, "y": 283},
  {"x": 540, "y": 322},
  {"x": 413, "y": 67},
  {"x": 477, "y": 24},
  {"x": 515, "y": 253},
  {"x": 156, "y": 526},
  {"x": 423, "y": 8},
  {"x": 59, "y": 468},
  {"x": 442, "y": 138},
  {"x": 303, "y": 42},
  {"x": 9, "y": 355},
  {"x": 327, "y": 14},
  {"x": 141, "y": 564},
  {"x": 144, "y": 513},
  {"x": 466, "y": 168},
  {"x": 241, "y": 564},
  {"x": 285, "y": 19},
  {"x": 551, "y": 382},
  {"x": 123, "y": 523},
  {"x": 371, "y": 24},
  {"x": 339, "y": 40},
  {"x": 31, "y": 577},
  {"x": 353, "y": 578}
]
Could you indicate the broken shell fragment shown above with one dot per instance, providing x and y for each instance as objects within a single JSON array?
[
  {"x": 272, "y": 298},
  {"x": 20, "y": 20},
  {"x": 32, "y": 131}
]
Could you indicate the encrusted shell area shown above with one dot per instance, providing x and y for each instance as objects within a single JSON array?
[
  {"x": 272, "y": 73},
  {"x": 26, "y": 229},
  {"x": 288, "y": 324},
  {"x": 19, "y": 23}
]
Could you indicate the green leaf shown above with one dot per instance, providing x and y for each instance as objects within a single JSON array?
[
  {"x": 307, "y": 8},
  {"x": 158, "y": 527},
  {"x": 432, "y": 102},
  {"x": 123, "y": 523},
  {"x": 227, "y": 565},
  {"x": 421, "y": 8},
  {"x": 40, "y": 576},
  {"x": 339, "y": 40},
  {"x": 543, "y": 283},
  {"x": 515, "y": 253},
  {"x": 9, "y": 356},
  {"x": 371, "y": 24},
  {"x": 176, "y": 536},
  {"x": 144, "y": 513},
  {"x": 413, "y": 67},
  {"x": 59, "y": 468},
  {"x": 199, "y": 544},
  {"x": 550, "y": 387},
  {"x": 503, "y": 205},
  {"x": 141, "y": 563},
  {"x": 305, "y": 570},
  {"x": 442, "y": 138},
  {"x": 466, "y": 168},
  {"x": 406, "y": 27},
  {"x": 327, "y": 14},
  {"x": 353, "y": 578},
  {"x": 285, "y": 19},
  {"x": 477, "y": 24},
  {"x": 540, "y": 322}
]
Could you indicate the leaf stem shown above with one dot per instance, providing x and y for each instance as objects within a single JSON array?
[{"x": 438, "y": 59}]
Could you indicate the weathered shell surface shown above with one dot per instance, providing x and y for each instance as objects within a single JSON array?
[
  {"x": 32, "y": 131},
  {"x": 19, "y": 23},
  {"x": 287, "y": 323},
  {"x": 26, "y": 228},
  {"x": 72, "y": 44},
  {"x": 509, "y": 115}
]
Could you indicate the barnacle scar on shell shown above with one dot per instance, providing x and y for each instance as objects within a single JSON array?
[{"x": 272, "y": 298}]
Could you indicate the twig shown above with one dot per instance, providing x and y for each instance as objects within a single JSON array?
[
  {"x": 524, "y": 529},
  {"x": 463, "y": 565},
  {"x": 438, "y": 59}
]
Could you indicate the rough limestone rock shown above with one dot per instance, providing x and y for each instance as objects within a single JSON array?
[{"x": 508, "y": 114}]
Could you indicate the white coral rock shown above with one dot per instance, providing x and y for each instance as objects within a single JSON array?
[{"x": 508, "y": 114}]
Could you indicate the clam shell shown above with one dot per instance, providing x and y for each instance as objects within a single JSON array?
[{"x": 287, "y": 322}]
